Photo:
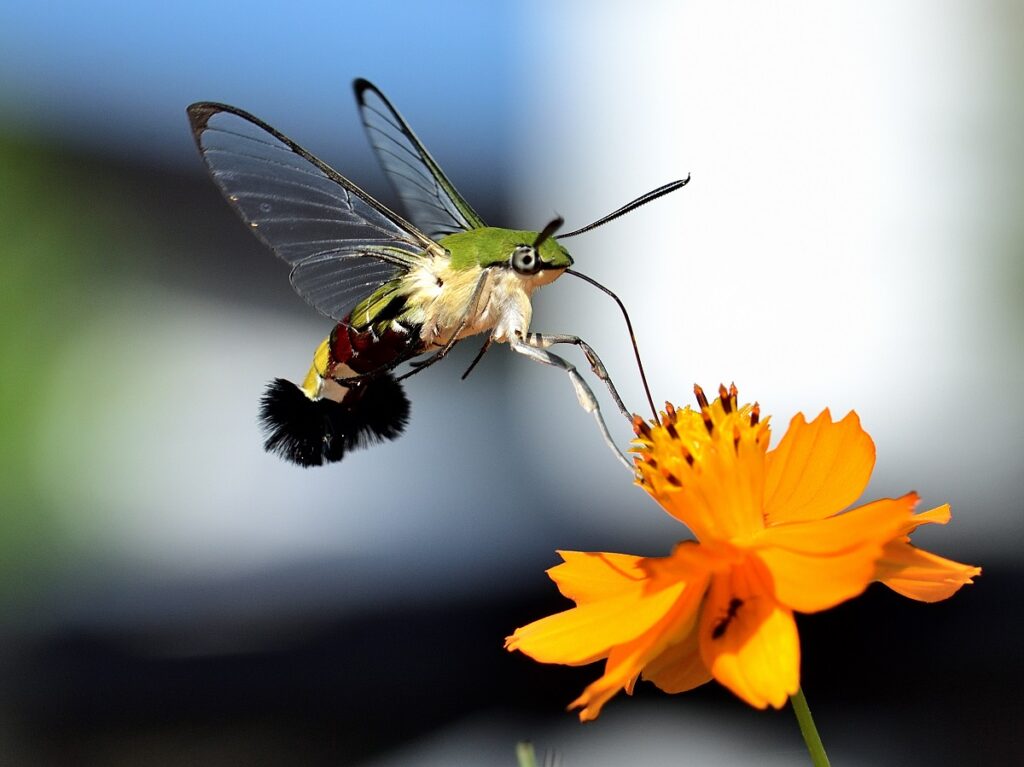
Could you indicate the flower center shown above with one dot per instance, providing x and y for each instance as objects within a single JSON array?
[{"x": 703, "y": 451}]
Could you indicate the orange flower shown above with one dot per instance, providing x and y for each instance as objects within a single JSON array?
[{"x": 770, "y": 541}]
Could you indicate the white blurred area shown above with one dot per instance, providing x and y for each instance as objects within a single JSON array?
[{"x": 846, "y": 240}]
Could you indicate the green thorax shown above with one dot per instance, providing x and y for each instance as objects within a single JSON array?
[
  {"x": 490, "y": 246},
  {"x": 476, "y": 248}
]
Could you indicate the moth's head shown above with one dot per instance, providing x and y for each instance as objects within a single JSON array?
[
  {"x": 538, "y": 257},
  {"x": 542, "y": 262}
]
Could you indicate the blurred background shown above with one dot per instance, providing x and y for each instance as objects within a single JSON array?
[{"x": 851, "y": 237}]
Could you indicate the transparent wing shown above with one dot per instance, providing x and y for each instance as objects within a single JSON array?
[
  {"x": 430, "y": 200},
  {"x": 336, "y": 281},
  {"x": 342, "y": 244}
]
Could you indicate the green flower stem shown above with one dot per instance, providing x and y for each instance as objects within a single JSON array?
[
  {"x": 525, "y": 755},
  {"x": 808, "y": 730}
]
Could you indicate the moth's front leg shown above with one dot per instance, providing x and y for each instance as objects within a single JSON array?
[
  {"x": 584, "y": 394},
  {"x": 547, "y": 340}
]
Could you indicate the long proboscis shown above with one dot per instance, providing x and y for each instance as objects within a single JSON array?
[
  {"x": 629, "y": 327},
  {"x": 654, "y": 194}
]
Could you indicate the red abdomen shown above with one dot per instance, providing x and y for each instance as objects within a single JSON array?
[{"x": 366, "y": 351}]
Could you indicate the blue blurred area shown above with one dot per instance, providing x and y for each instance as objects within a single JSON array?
[{"x": 114, "y": 77}]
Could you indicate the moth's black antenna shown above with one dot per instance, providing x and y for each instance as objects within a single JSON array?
[
  {"x": 632, "y": 335},
  {"x": 661, "y": 191},
  {"x": 553, "y": 226}
]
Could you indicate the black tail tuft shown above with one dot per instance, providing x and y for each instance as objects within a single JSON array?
[{"x": 313, "y": 432}]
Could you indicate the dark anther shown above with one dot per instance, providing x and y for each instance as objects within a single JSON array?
[
  {"x": 755, "y": 414},
  {"x": 640, "y": 427},
  {"x": 673, "y": 479},
  {"x": 699, "y": 393},
  {"x": 723, "y": 394},
  {"x": 671, "y": 429}
]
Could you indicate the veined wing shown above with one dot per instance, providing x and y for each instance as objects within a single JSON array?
[
  {"x": 338, "y": 279},
  {"x": 430, "y": 200},
  {"x": 341, "y": 243}
]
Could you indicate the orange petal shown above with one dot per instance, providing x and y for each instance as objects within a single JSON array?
[
  {"x": 816, "y": 565},
  {"x": 809, "y": 583},
  {"x": 679, "y": 667},
  {"x": 589, "y": 632},
  {"x": 749, "y": 641},
  {"x": 818, "y": 468},
  {"x": 690, "y": 562},
  {"x": 626, "y": 661},
  {"x": 585, "y": 576},
  {"x": 880, "y": 520},
  {"x": 940, "y": 515},
  {"x": 920, "y": 575}
]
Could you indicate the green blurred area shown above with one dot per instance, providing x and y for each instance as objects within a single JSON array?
[{"x": 66, "y": 229}]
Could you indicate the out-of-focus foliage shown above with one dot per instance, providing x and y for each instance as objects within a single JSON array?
[{"x": 64, "y": 229}]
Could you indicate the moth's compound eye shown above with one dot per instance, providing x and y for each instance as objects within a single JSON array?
[{"x": 525, "y": 260}]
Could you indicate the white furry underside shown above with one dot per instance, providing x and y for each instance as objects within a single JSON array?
[{"x": 503, "y": 307}]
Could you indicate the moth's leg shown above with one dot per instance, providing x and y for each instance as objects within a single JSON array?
[
  {"x": 421, "y": 365},
  {"x": 547, "y": 340},
  {"x": 425, "y": 363},
  {"x": 479, "y": 356},
  {"x": 471, "y": 310},
  {"x": 583, "y": 393}
]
